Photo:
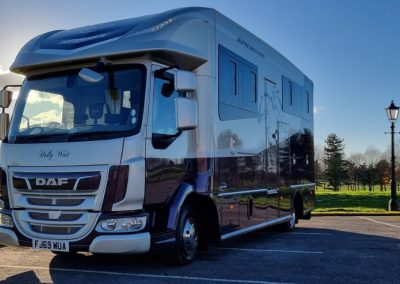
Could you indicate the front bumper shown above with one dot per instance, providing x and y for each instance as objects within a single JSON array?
[
  {"x": 111, "y": 244},
  {"x": 121, "y": 244},
  {"x": 8, "y": 237}
]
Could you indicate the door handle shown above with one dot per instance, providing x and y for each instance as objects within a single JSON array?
[{"x": 223, "y": 186}]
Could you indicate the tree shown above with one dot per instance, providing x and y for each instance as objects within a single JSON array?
[
  {"x": 352, "y": 173},
  {"x": 371, "y": 177},
  {"x": 356, "y": 160},
  {"x": 319, "y": 164},
  {"x": 382, "y": 169},
  {"x": 363, "y": 171},
  {"x": 335, "y": 171},
  {"x": 372, "y": 155}
]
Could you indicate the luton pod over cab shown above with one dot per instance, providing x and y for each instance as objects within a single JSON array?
[{"x": 172, "y": 130}]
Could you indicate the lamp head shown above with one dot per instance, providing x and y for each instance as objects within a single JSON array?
[{"x": 392, "y": 112}]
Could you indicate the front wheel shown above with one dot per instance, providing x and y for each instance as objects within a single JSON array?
[{"x": 187, "y": 237}]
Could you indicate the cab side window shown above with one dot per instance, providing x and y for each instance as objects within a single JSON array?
[{"x": 164, "y": 121}]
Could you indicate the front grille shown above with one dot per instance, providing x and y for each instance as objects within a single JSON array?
[
  {"x": 63, "y": 217},
  {"x": 55, "y": 230},
  {"x": 55, "y": 201},
  {"x": 60, "y": 205}
]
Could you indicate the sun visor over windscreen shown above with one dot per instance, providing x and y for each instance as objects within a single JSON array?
[{"x": 81, "y": 37}]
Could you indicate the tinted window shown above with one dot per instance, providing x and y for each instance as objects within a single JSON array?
[{"x": 237, "y": 81}]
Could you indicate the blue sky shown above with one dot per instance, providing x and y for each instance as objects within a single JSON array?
[{"x": 349, "y": 48}]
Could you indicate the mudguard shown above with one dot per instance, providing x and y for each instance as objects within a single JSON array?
[{"x": 184, "y": 190}]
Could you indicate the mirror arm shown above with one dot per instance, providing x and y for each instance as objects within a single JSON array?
[
  {"x": 11, "y": 86},
  {"x": 161, "y": 71}
]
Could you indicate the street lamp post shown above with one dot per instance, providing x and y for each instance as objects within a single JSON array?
[{"x": 392, "y": 112}]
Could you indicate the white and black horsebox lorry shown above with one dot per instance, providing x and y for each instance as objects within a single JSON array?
[{"x": 171, "y": 130}]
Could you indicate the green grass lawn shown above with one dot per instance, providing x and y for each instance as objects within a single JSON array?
[{"x": 347, "y": 201}]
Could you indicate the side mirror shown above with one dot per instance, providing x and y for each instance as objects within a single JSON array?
[
  {"x": 185, "y": 81},
  {"x": 186, "y": 113},
  {"x": 4, "y": 125},
  {"x": 5, "y": 98}
]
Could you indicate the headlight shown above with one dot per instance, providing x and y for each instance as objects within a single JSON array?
[
  {"x": 6, "y": 220},
  {"x": 122, "y": 225}
]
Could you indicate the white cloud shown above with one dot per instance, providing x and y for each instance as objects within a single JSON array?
[
  {"x": 45, "y": 118},
  {"x": 318, "y": 109},
  {"x": 40, "y": 97},
  {"x": 3, "y": 70}
]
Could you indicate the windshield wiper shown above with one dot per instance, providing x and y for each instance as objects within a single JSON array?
[
  {"x": 42, "y": 138},
  {"x": 87, "y": 136},
  {"x": 65, "y": 137}
]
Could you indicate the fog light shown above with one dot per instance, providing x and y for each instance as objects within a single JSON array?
[
  {"x": 6, "y": 220},
  {"x": 122, "y": 225}
]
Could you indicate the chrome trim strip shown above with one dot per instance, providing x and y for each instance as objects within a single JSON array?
[
  {"x": 256, "y": 227},
  {"x": 272, "y": 191},
  {"x": 242, "y": 192},
  {"x": 302, "y": 185}
]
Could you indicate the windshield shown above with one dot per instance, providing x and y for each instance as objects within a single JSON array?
[{"x": 64, "y": 107}]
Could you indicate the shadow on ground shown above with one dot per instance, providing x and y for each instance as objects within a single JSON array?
[{"x": 329, "y": 256}]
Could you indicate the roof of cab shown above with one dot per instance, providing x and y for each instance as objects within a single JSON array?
[{"x": 109, "y": 39}]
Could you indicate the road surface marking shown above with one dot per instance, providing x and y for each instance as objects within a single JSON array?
[
  {"x": 296, "y": 233},
  {"x": 155, "y": 276},
  {"x": 383, "y": 223},
  {"x": 271, "y": 250},
  {"x": 318, "y": 234}
]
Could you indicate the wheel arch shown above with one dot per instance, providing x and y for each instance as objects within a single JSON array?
[
  {"x": 204, "y": 209},
  {"x": 207, "y": 215}
]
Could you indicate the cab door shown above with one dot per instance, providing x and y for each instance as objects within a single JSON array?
[{"x": 166, "y": 147}]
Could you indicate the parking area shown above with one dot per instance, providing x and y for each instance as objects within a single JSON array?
[{"x": 322, "y": 250}]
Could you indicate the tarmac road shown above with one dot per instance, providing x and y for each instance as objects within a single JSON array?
[{"x": 323, "y": 250}]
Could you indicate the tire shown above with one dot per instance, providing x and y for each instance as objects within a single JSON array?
[
  {"x": 187, "y": 237},
  {"x": 307, "y": 216},
  {"x": 291, "y": 224}
]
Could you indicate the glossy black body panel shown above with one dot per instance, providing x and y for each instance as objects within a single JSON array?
[{"x": 4, "y": 189}]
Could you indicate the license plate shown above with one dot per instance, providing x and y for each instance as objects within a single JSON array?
[{"x": 50, "y": 245}]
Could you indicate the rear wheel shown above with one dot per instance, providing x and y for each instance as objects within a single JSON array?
[
  {"x": 307, "y": 216},
  {"x": 289, "y": 225},
  {"x": 187, "y": 237}
]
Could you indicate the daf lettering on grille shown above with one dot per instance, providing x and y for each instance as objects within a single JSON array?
[{"x": 51, "y": 181}]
